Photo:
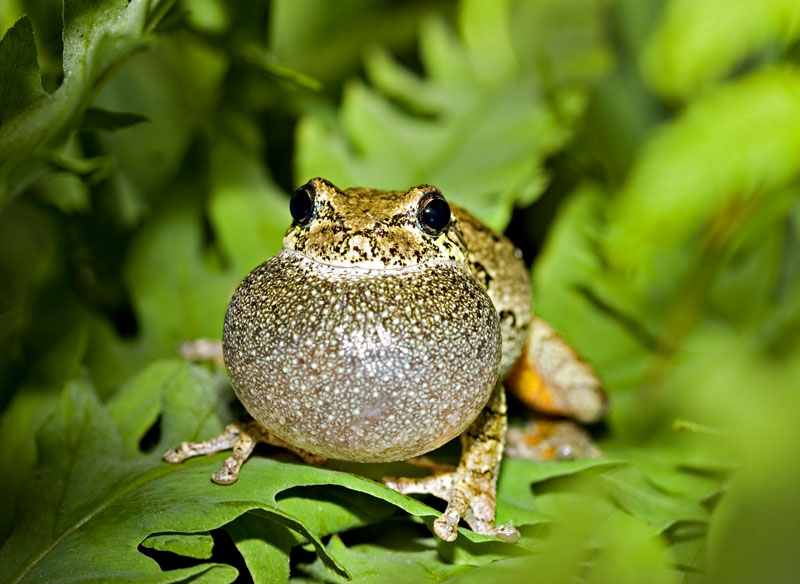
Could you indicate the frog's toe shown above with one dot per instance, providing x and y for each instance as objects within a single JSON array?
[
  {"x": 480, "y": 512},
  {"x": 228, "y": 474},
  {"x": 225, "y": 476},
  {"x": 507, "y": 533},
  {"x": 446, "y": 525},
  {"x": 175, "y": 455},
  {"x": 476, "y": 505}
]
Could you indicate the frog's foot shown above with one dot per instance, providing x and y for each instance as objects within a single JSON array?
[
  {"x": 469, "y": 497},
  {"x": 470, "y": 490},
  {"x": 544, "y": 439},
  {"x": 242, "y": 437},
  {"x": 202, "y": 350}
]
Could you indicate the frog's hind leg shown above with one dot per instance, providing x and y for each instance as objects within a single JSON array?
[
  {"x": 551, "y": 378},
  {"x": 242, "y": 437},
  {"x": 471, "y": 488}
]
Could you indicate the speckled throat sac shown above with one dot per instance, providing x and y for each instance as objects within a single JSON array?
[{"x": 358, "y": 364}]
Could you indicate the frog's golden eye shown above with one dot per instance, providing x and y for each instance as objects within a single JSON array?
[
  {"x": 302, "y": 203},
  {"x": 433, "y": 213}
]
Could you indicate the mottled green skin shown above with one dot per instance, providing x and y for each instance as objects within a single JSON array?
[{"x": 367, "y": 339}]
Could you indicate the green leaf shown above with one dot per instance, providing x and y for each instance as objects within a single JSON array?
[
  {"x": 340, "y": 32},
  {"x": 95, "y": 169},
  {"x": 260, "y": 57},
  {"x": 683, "y": 483},
  {"x": 629, "y": 488},
  {"x": 687, "y": 547},
  {"x": 28, "y": 410},
  {"x": 183, "y": 294},
  {"x": 697, "y": 42},
  {"x": 248, "y": 211},
  {"x": 181, "y": 100},
  {"x": 535, "y": 472},
  {"x": 738, "y": 142},
  {"x": 98, "y": 119},
  {"x": 411, "y": 562},
  {"x": 191, "y": 545},
  {"x": 565, "y": 41},
  {"x": 98, "y": 36},
  {"x": 137, "y": 405},
  {"x": 485, "y": 29},
  {"x": 87, "y": 500},
  {"x": 762, "y": 551},
  {"x": 265, "y": 546},
  {"x": 591, "y": 540},
  {"x": 511, "y": 570},
  {"x": 617, "y": 343},
  {"x": 19, "y": 70},
  {"x": 329, "y": 510},
  {"x": 486, "y": 130},
  {"x": 178, "y": 292},
  {"x": 627, "y": 552},
  {"x": 516, "y": 504},
  {"x": 25, "y": 414}
]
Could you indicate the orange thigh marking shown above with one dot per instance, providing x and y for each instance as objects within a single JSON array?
[{"x": 529, "y": 387}]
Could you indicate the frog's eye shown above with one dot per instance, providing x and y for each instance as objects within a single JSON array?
[
  {"x": 301, "y": 205},
  {"x": 433, "y": 213}
]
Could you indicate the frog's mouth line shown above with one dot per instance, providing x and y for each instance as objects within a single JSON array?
[{"x": 369, "y": 267}]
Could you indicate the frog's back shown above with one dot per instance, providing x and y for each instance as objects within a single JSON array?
[{"x": 498, "y": 266}]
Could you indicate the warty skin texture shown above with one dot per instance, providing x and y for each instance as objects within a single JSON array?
[{"x": 367, "y": 339}]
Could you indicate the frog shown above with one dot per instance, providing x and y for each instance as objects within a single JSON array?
[{"x": 390, "y": 323}]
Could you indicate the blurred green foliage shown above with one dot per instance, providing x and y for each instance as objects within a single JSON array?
[{"x": 647, "y": 153}]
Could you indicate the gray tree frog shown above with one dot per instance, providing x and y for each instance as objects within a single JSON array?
[{"x": 384, "y": 329}]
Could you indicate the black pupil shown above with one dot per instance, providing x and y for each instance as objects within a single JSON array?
[
  {"x": 301, "y": 206},
  {"x": 436, "y": 214}
]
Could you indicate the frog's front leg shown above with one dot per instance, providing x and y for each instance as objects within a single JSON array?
[
  {"x": 471, "y": 488},
  {"x": 242, "y": 437}
]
